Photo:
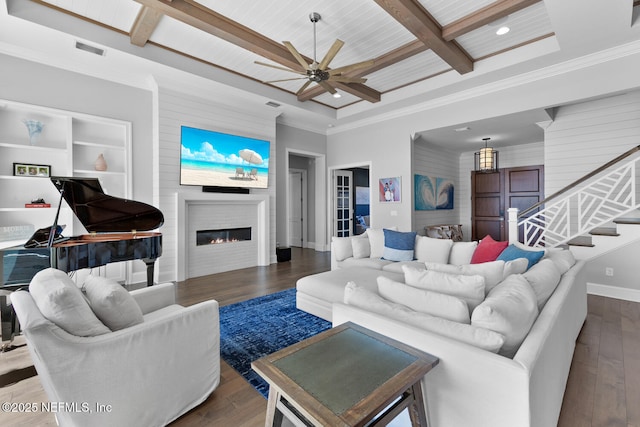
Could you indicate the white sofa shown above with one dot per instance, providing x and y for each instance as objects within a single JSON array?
[
  {"x": 147, "y": 374},
  {"x": 472, "y": 386}
]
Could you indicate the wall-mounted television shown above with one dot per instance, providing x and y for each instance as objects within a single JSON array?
[{"x": 218, "y": 160}]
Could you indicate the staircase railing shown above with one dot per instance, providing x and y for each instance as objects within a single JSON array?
[{"x": 592, "y": 201}]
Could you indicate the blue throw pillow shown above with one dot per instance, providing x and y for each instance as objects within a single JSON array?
[
  {"x": 398, "y": 245},
  {"x": 513, "y": 252}
]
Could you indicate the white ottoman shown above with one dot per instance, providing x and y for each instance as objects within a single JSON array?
[{"x": 316, "y": 293}]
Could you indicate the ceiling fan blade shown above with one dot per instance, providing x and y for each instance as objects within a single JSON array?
[
  {"x": 347, "y": 68},
  {"x": 304, "y": 86},
  {"x": 347, "y": 79},
  {"x": 286, "y": 80},
  {"x": 296, "y": 55},
  {"x": 327, "y": 87},
  {"x": 333, "y": 51},
  {"x": 279, "y": 68}
]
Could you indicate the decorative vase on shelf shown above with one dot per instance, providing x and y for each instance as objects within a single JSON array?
[
  {"x": 101, "y": 163},
  {"x": 35, "y": 129}
]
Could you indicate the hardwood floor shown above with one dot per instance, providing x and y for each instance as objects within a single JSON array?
[{"x": 603, "y": 387}]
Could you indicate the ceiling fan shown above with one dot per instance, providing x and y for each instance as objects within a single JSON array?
[{"x": 319, "y": 72}]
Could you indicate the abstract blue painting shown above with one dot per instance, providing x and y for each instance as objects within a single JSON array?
[
  {"x": 424, "y": 193},
  {"x": 432, "y": 193},
  {"x": 444, "y": 193}
]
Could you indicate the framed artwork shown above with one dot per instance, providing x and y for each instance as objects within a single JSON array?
[
  {"x": 362, "y": 195},
  {"x": 27, "y": 169},
  {"x": 389, "y": 189},
  {"x": 432, "y": 193}
]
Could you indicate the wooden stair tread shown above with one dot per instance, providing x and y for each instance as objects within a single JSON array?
[
  {"x": 627, "y": 221},
  {"x": 584, "y": 241},
  {"x": 604, "y": 231}
]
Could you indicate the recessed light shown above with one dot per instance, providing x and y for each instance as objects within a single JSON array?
[
  {"x": 502, "y": 31},
  {"x": 272, "y": 104},
  {"x": 337, "y": 95},
  {"x": 462, "y": 129}
]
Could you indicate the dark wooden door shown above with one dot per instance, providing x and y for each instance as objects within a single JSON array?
[
  {"x": 487, "y": 205},
  {"x": 524, "y": 187},
  {"x": 493, "y": 193}
]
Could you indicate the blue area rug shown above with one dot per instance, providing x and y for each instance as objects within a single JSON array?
[{"x": 261, "y": 326}]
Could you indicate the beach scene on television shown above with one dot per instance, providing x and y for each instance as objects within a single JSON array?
[{"x": 211, "y": 158}]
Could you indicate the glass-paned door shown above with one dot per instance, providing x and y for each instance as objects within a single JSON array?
[{"x": 343, "y": 211}]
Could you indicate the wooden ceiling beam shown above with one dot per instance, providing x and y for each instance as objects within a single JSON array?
[
  {"x": 198, "y": 16},
  {"x": 195, "y": 14},
  {"x": 484, "y": 16},
  {"x": 417, "y": 20},
  {"x": 390, "y": 58},
  {"x": 144, "y": 25}
]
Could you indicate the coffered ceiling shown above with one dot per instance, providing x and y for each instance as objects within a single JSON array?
[
  {"x": 407, "y": 40},
  {"x": 421, "y": 50}
]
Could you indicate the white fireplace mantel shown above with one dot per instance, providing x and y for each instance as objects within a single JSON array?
[{"x": 184, "y": 200}]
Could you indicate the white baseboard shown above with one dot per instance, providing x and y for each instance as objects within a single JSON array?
[{"x": 613, "y": 292}]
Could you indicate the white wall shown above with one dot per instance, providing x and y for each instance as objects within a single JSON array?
[
  {"x": 177, "y": 109},
  {"x": 583, "y": 137},
  {"x": 387, "y": 147},
  {"x": 313, "y": 146},
  {"x": 440, "y": 163}
]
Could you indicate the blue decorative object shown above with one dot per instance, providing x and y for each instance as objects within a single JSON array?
[
  {"x": 513, "y": 252},
  {"x": 35, "y": 129},
  {"x": 398, "y": 245},
  {"x": 255, "y": 328}
]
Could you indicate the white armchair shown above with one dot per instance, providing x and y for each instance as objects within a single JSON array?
[{"x": 144, "y": 375}]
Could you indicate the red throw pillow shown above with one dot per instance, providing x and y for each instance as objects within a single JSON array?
[{"x": 488, "y": 250}]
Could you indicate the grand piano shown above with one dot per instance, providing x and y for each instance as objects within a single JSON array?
[{"x": 119, "y": 230}]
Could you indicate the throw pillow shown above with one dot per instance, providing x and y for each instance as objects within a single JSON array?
[
  {"x": 543, "y": 278},
  {"x": 514, "y": 252},
  {"x": 434, "y": 250},
  {"x": 342, "y": 248},
  {"x": 493, "y": 272},
  {"x": 112, "y": 303},
  {"x": 469, "y": 288},
  {"x": 510, "y": 309},
  {"x": 370, "y": 301},
  {"x": 461, "y": 253},
  {"x": 360, "y": 247},
  {"x": 487, "y": 250},
  {"x": 376, "y": 242},
  {"x": 61, "y": 302},
  {"x": 424, "y": 301},
  {"x": 563, "y": 259},
  {"x": 398, "y": 246}
]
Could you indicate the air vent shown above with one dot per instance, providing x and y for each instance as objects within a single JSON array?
[
  {"x": 90, "y": 49},
  {"x": 272, "y": 104}
]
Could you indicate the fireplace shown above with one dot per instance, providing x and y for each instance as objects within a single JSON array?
[
  {"x": 212, "y": 212},
  {"x": 224, "y": 235}
]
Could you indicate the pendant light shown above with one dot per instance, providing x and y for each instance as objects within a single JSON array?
[{"x": 486, "y": 160}]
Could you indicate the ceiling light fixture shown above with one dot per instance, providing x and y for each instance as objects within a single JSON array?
[
  {"x": 486, "y": 160},
  {"x": 501, "y": 24},
  {"x": 337, "y": 95}
]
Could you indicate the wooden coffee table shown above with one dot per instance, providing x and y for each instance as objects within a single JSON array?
[{"x": 346, "y": 376}]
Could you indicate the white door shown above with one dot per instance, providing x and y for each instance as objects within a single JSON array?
[
  {"x": 342, "y": 211},
  {"x": 296, "y": 200}
]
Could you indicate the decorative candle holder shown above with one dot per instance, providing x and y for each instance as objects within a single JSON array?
[{"x": 35, "y": 129}]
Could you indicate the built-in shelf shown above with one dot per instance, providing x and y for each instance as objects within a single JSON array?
[{"x": 69, "y": 143}]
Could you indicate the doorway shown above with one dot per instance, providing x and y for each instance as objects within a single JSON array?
[
  {"x": 350, "y": 200},
  {"x": 493, "y": 193},
  {"x": 297, "y": 194}
]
